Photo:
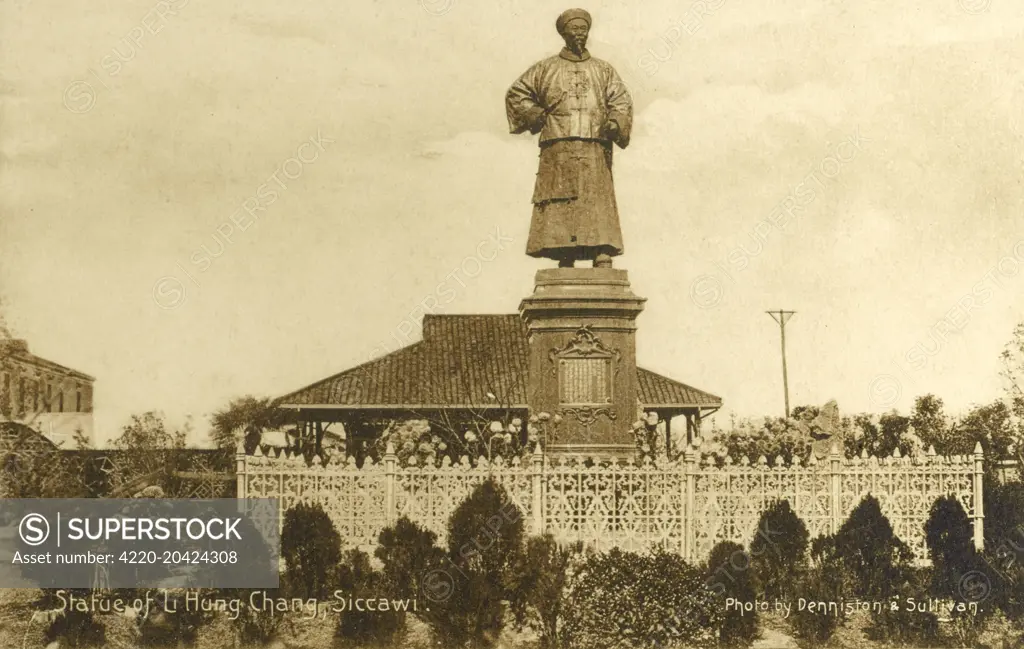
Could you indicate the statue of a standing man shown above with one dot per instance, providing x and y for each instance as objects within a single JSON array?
[{"x": 580, "y": 106}]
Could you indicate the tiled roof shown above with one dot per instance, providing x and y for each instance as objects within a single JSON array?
[
  {"x": 17, "y": 349},
  {"x": 460, "y": 360}
]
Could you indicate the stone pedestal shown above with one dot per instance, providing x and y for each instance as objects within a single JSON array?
[{"x": 582, "y": 327}]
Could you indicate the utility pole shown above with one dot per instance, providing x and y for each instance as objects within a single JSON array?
[{"x": 782, "y": 317}]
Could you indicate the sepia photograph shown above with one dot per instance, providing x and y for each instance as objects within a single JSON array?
[{"x": 446, "y": 325}]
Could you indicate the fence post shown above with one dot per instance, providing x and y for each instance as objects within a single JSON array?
[
  {"x": 537, "y": 484},
  {"x": 835, "y": 484},
  {"x": 979, "y": 497},
  {"x": 240, "y": 470},
  {"x": 390, "y": 460},
  {"x": 689, "y": 542}
]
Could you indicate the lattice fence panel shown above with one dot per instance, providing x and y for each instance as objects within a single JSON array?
[{"x": 682, "y": 506}]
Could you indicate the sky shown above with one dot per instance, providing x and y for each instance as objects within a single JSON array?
[{"x": 857, "y": 163}]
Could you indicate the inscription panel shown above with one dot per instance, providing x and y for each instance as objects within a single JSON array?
[{"x": 584, "y": 381}]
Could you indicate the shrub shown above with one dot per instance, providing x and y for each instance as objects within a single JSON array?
[
  {"x": 822, "y": 583},
  {"x": 311, "y": 549},
  {"x": 259, "y": 625},
  {"x": 357, "y": 579},
  {"x": 876, "y": 560},
  {"x": 959, "y": 573},
  {"x": 68, "y": 624},
  {"x": 652, "y": 600},
  {"x": 770, "y": 438},
  {"x": 173, "y": 619},
  {"x": 542, "y": 578},
  {"x": 1004, "y": 546},
  {"x": 410, "y": 556},
  {"x": 899, "y": 624},
  {"x": 469, "y": 584},
  {"x": 728, "y": 575},
  {"x": 950, "y": 546},
  {"x": 485, "y": 541},
  {"x": 778, "y": 550}
]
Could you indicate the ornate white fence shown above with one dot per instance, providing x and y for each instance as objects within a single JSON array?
[{"x": 685, "y": 505}]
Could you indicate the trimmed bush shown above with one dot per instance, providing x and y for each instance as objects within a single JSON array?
[
  {"x": 71, "y": 626},
  {"x": 358, "y": 580},
  {"x": 900, "y": 625},
  {"x": 543, "y": 578},
  {"x": 876, "y": 560},
  {"x": 959, "y": 573},
  {"x": 311, "y": 549},
  {"x": 468, "y": 586},
  {"x": 779, "y": 551},
  {"x": 173, "y": 620},
  {"x": 728, "y": 575},
  {"x": 410, "y": 557},
  {"x": 948, "y": 535},
  {"x": 652, "y": 600},
  {"x": 822, "y": 583},
  {"x": 1004, "y": 546}
]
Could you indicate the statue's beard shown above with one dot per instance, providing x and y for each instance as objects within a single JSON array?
[{"x": 577, "y": 43}]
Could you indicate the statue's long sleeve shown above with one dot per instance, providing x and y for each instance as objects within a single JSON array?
[
  {"x": 620, "y": 108},
  {"x": 563, "y": 99},
  {"x": 522, "y": 104}
]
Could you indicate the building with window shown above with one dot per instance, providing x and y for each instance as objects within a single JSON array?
[{"x": 53, "y": 399}]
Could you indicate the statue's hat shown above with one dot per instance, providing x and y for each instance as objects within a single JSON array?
[{"x": 570, "y": 14}]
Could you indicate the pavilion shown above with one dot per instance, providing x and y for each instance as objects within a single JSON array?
[{"x": 466, "y": 368}]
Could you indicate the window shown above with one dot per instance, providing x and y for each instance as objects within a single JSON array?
[
  {"x": 60, "y": 400},
  {"x": 49, "y": 397},
  {"x": 37, "y": 387},
  {"x": 22, "y": 401},
  {"x": 78, "y": 401}
]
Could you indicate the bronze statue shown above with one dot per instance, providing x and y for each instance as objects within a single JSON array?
[{"x": 580, "y": 106}]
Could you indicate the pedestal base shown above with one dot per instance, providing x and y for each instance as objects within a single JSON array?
[{"x": 582, "y": 324}]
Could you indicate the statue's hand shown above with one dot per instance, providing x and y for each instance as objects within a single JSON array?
[
  {"x": 610, "y": 130},
  {"x": 538, "y": 122}
]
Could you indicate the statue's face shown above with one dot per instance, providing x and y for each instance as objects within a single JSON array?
[{"x": 575, "y": 34}]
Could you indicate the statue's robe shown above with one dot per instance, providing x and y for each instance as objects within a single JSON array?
[{"x": 574, "y": 213}]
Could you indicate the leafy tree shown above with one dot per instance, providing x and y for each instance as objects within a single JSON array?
[
  {"x": 992, "y": 426},
  {"x": 880, "y": 437},
  {"x": 246, "y": 418},
  {"x": 311, "y": 548},
  {"x": 1013, "y": 375},
  {"x": 931, "y": 424},
  {"x": 149, "y": 454}
]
